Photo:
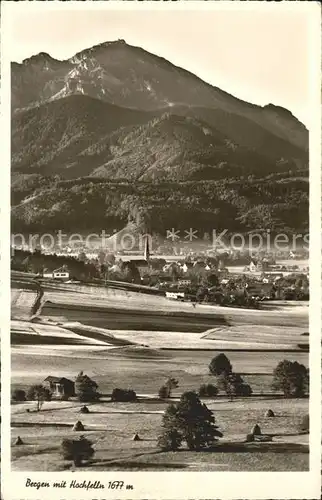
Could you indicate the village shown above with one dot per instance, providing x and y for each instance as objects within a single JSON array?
[{"x": 223, "y": 278}]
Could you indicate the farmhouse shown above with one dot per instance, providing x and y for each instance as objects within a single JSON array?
[
  {"x": 60, "y": 387},
  {"x": 174, "y": 295},
  {"x": 60, "y": 273},
  {"x": 184, "y": 282}
]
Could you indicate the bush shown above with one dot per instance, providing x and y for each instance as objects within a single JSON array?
[
  {"x": 163, "y": 392},
  {"x": 208, "y": 391},
  {"x": 77, "y": 450},
  {"x": 18, "y": 395},
  {"x": 305, "y": 423},
  {"x": 123, "y": 395},
  {"x": 166, "y": 389},
  {"x": 244, "y": 390},
  {"x": 86, "y": 388},
  {"x": 292, "y": 378}
]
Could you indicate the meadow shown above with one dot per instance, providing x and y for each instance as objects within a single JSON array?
[
  {"x": 111, "y": 426},
  {"x": 127, "y": 340}
]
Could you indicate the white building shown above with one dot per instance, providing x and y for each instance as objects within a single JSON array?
[
  {"x": 174, "y": 295},
  {"x": 60, "y": 273}
]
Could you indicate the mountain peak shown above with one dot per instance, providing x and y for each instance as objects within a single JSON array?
[
  {"x": 41, "y": 57},
  {"x": 278, "y": 109},
  {"x": 103, "y": 45}
]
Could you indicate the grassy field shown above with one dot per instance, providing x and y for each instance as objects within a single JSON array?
[
  {"x": 129, "y": 340},
  {"x": 111, "y": 427},
  {"x": 144, "y": 373}
]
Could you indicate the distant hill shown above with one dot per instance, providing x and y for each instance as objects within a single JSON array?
[
  {"x": 55, "y": 138},
  {"x": 276, "y": 202},
  {"x": 115, "y": 117}
]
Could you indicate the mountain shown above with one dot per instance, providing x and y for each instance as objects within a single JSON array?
[
  {"x": 116, "y": 113},
  {"x": 131, "y": 77},
  {"x": 53, "y": 138},
  {"x": 79, "y": 135}
]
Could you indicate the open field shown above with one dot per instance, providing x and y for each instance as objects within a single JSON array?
[
  {"x": 243, "y": 334},
  {"x": 143, "y": 371},
  {"x": 106, "y": 297},
  {"x": 112, "y": 425},
  {"x": 130, "y": 340},
  {"x": 22, "y": 301}
]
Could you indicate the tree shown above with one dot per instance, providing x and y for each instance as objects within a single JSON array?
[
  {"x": 234, "y": 385},
  {"x": 18, "y": 395},
  {"x": 220, "y": 364},
  {"x": 170, "y": 384},
  {"x": 208, "y": 390},
  {"x": 210, "y": 280},
  {"x": 130, "y": 272},
  {"x": 170, "y": 439},
  {"x": 225, "y": 384},
  {"x": 86, "y": 388},
  {"x": 292, "y": 378},
  {"x": 163, "y": 392},
  {"x": 190, "y": 421},
  {"x": 40, "y": 394},
  {"x": 201, "y": 294},
  {"x": 82, "y": 257},
  {"x": 101, "y": 257},
  {"x": 245, "y": 390},
  {"x": 174, "y": 271},
  {"x": 77, "y": 450},
  {"x": 110, "y": 259}
]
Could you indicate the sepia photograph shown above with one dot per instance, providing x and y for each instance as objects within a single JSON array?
[{"x": 159, "y": 242}]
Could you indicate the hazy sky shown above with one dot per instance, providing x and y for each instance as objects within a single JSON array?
[{"x": 260, "y": 57}]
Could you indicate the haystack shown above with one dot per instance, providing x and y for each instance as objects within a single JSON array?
[
  {"x": 269, "y": 413},
  {"x": 136, "y": 437},
  {"x": 256, "y": 430},
  {"x": 78, "y": 426},
  {"x": 19, "y": 441},
  {"x": 84, "y": 409}
]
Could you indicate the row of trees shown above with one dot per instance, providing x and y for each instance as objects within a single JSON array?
[
  {"x": 290, "y": 377},
  {"x": 86, "y": 391}
]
